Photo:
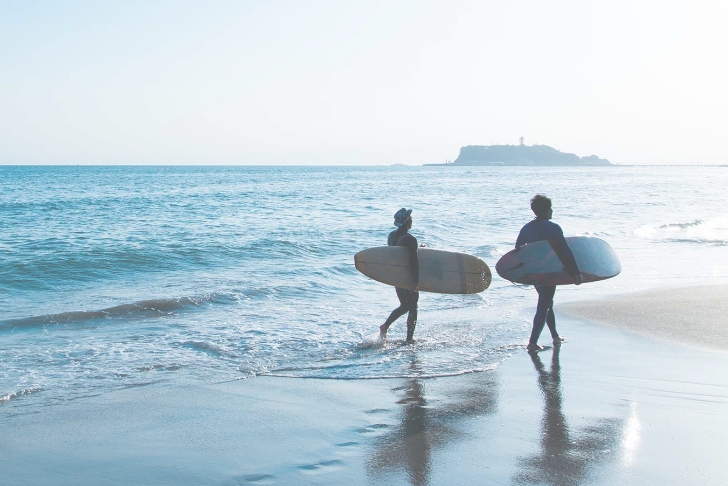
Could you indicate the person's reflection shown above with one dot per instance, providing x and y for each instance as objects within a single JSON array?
[
  {"x": 563, "y": 460},
  {"x": 411, "y": 444},
  {"x": 424, "y": 426},
  {"x": 415, "y": 432},
  {"x": 555, "y": 430}
]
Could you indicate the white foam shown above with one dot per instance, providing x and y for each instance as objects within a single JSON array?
[{"x": 372, "y": 341}]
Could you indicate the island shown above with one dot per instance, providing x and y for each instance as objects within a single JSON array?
[{"x": 521, "y": 155}]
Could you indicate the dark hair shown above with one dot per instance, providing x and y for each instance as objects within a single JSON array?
[{"x": 541, "y": 205}]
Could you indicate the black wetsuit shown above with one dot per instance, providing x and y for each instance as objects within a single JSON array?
[
  {"x": 537, "y": 230},
  {"x": 407, "y": 298}
]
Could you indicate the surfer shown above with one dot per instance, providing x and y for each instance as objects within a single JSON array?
[
  {"x": 407, "y": 298},
  {"x": 541, "y": 228}
]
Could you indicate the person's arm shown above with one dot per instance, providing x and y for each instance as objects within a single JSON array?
[
  {"x": 561, "y": 247},
  {"x": 414, "y": 261}
]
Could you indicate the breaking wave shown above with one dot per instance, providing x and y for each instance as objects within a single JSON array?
[{"x": 712, "y": 231}]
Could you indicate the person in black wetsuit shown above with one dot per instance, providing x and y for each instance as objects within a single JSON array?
[
  {"x": 539, "y": 229},
  {"x": 407, "y": 298}
]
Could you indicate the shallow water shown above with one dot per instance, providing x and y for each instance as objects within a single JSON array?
[{"x": 117, "y": 277}]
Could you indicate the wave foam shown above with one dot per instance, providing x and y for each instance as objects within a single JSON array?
[
  {"x": 18, "y": 394},
  {"x": 712, "y": 231}
]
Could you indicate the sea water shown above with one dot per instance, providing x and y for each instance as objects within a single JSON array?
[{"x": 115, "y": 277}]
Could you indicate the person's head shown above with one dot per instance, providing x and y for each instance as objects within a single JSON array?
[
  {"x": 403, "y": 218},
  {"x": 541, "y": 206}
]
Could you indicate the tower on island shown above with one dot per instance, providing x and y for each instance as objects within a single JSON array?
[{"x": 521, "y": 139}]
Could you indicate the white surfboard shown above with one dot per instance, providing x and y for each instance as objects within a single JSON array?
[
  {"x": 443, "y": 272},
  {"x": 538, "y": 264}
]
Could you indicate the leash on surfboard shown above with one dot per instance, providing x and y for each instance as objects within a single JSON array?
[{"x": 522, "y": 286}]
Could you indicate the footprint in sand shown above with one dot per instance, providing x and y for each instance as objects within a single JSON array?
[
  {"x": 254, "y": 479},
  {"x": 321, "y": 465},
  {"x": 374, "y": 428}
]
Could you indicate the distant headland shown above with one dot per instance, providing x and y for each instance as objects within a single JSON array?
[{"x": 521, "y": 155}]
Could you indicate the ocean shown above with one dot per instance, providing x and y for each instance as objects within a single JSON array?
[{"x": 123, "y": 276}]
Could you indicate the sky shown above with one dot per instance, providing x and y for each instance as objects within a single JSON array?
[{"x": 354, "y": 82}]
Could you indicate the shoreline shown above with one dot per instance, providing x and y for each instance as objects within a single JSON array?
[{"x": 607, "y": 407}]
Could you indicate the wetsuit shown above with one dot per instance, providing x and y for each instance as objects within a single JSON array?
[
  {"x": 538, "y": 230},
  {"x": 407, "y": 298}
]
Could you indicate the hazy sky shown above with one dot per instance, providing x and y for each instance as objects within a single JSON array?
[{"x": 360, "y": 82}]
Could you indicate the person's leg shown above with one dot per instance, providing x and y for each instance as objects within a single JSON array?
[
  {"x": 412, "y": 299},
  {"x": 551, "y": 323},
  {"x": 396, "y": 313},
  {"x": 543, "y": 309}
]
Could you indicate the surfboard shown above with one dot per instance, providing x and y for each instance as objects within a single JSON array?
[
  {"x": 444, "y": 272},
  {"x": 538, "y": 264}
]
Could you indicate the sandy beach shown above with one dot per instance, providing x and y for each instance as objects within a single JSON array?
[
  {"x": 694, "y": 316},
  {"x": 642, "y": 400}
]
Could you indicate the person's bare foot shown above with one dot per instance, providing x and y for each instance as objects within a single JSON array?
[
  {"x": 533, "y": 348},
  {"x": 382, "y": 331}
]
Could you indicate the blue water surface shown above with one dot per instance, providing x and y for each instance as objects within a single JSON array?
[{"x": 122, "y": 276}]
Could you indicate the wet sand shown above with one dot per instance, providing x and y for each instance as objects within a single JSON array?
[{"x": 608, "y": 407}]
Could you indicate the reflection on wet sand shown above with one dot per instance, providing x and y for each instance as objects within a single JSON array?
[
  {"x": 426, "y": 425},
  {"x": 566, "y": 457}
]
